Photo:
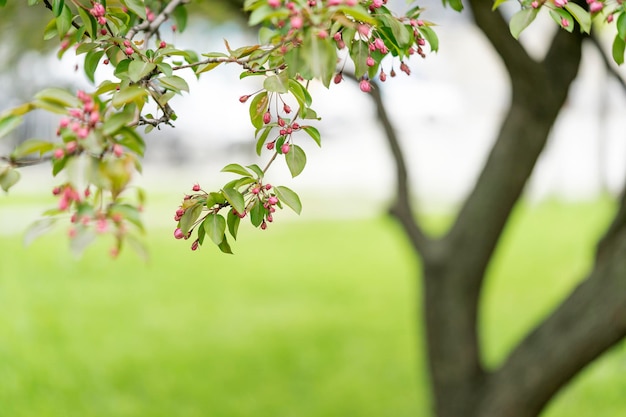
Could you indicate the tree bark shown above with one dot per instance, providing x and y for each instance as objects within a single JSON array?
[{"x": 586, "y": 324}]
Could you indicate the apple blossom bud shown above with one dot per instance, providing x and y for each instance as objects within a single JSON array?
[
  {"x": 59, "y": 153},
  {"x": 118, "y": 150},
  {"x": 196, "y": 187},
  {"x": 263, "y": 225},
  {"x": 243, "y": 99},
  {"x": 365, "y": 85},
  {"x": 267, "y": 117},
  {"x": 195, "y": 244},
  {"x": 178, "y": 234},
  {"x": 285, "y": 148},
  {"x": 296, "y": 22},
  {"x": 272, "y": 200}
]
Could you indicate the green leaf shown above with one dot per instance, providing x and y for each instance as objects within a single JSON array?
[
  {"x": 581, "y": 15},
  {"x": 64, "y": 21},
  {"x": 320, "y": 57},
  {"x": 257, "y": 214},
  {"x": 130, "y": 94},
  {"x": 359, "y": 51},
  {"x": 276, "y": 83},
  {"x": 7, "y": 124},
  {"x": 174, "y": 83},
  {"x": 300, "y": 93},
  {"x": 8, "y": 178},
  {"x": 296, "y": 160},
  {"x": 455, "y": 4},
  {"x": 215, "y": 226},
  {"x": 180, "y": 17},
  {"x": 57, "y": 7},
  {"x": 358, "y": 12},
  {"x": 189, "y": 218},
  {"x": 314, "y": 133},
  {"x": 207, "y": 67},
  {"x": 497, "y": 4},
  {"x": 236, "y": 169},
  {"x": 288, "y": 197},
  {"x": 92, "y": 59},
  {"x": 257, "y": 170},
  {"x": 233, "y": 222},
  {"x": 521, "y": 20},
  {"x": 558, "y": 15},
  {"x": 262, "y": 138},
  {"x": 3, "y": 3},
  {"x": 140, "y": 69},
  {"x": 621, "y": 25},
  {"x": 224, "y": 246},
  {"x": 431, "y": 37},
  {"x": 58, "y": 96},
  {"x": 235, "y": 199},
  {"x": 618, "y": 50},
  {"x": 136, "y": 6},
  {"x": 258, "y": 106},
  {"x": 116, "y": 122},
  {"x": 31, "y": 146},
  {"x": 89, "y": 22},
  {"x": 130, "y": 139}
]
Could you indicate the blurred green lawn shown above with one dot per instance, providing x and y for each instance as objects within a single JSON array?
[{"x": 307, "y": 319}]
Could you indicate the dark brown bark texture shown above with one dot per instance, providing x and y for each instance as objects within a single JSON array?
[{"x": 587, "y": 323}]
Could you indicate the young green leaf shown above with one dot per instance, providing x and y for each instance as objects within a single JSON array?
[
  {"x": 296, "y": 160},
  {"x": 521, "y": 20},
  {"x": 314, "y": 133},
  {"x": 581, "y": 15},
  {"x": 140, "y": 69},
  {"x": 288, "y": 197},
  {"x": 235, "y": 199},
  {"x": 618, "y": 50},
  {"x": 7, "y": 124},
  {"x": 31, "y": 146},
  {"x": 215, "y": 226},
  {"x": 8, "y": 178},
  {"x": 236, "y": 169},
  {"x": 233, "y": 221}
]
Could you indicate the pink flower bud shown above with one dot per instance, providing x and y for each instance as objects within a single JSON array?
[
  {"x": 270, "y": 218},
  {"x": 70, "y": 147},
  {"x": 379, "y": 43},
  {"x": 337, "y": 36},
  {"x": 178, "y": 234},
  {"x": 286, "y": 109},
  {"x": 59, "y": 153},
  {"x": 195, "y": 244},
  {"x": 281, "y": 122},
  {"x": 285, "y": 148},
  {"x": 243, "y": 99},
  {"x": 296, "y": 22},
  {"x": 273, "y": 3},
  {"x": 363, "y": 29},
  {"x": 295, "y": 126},
  {"x": 65, "y": 122},
  {"x": 365, "y": 85},
  {"x": 102, "y": 21},
  {"x": 272, "y": 200},
  {"x": 564, "y": 22},
  {"x": 263, "y": 225},
  {"x": 162, "y": 44},
  {"x": 196, "y": 187},
  {"x": 268, "y": 187},
  {"x": 595, "y": 7},
  {"x": 76, "y": 113},
  {"x": 255, "y": 190},
  {"x": 382, "y": 77},
  {"x": 118, "y": 150},
  {"x": 102, "y": 225},
  {"x": 267, "y": 117},
  {"x": 270, "y": 145},
  {"x": 560, "y": 3},
  {"x": 82, "y": 133},
  {"x": 609, "y": 18},
  {"x": 534, "y": 4},
  {"x": 129, "y": 50},
  {"x": 370, "y": 61},
  {"x": 322, "y": 34},
  {"x": 338, "y": 78}
]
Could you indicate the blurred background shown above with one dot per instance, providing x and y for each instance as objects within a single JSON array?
[{"x": 318, "y": 315}]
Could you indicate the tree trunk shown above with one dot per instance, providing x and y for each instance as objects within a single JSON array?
[{"x": 586, "y": 324}]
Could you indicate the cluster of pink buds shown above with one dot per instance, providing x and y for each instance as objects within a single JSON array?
[
  {"x": 98, "y": 11},
  {"x": 67, "y": 195},
  {"x": 376, "y": 4},
  {"x": 286, "y": 129},
  {"x": 263, "y": 195},
  {"x": 149, "y": 15},
  {"x": 81, "y": 121}
]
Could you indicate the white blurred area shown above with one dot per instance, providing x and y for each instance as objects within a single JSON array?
[{"x": 447, "y": 114}]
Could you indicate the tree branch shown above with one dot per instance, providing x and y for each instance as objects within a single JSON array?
[
  {"x": 590, "y": 321},
  {"x": 150, "y": 27},
  {"x": 402, "y": 208}
]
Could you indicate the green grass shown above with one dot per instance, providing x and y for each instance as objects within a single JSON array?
[{"x": 309, "y": 318}]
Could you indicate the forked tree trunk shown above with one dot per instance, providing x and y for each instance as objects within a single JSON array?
[{"x": 586, "y": 324}]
